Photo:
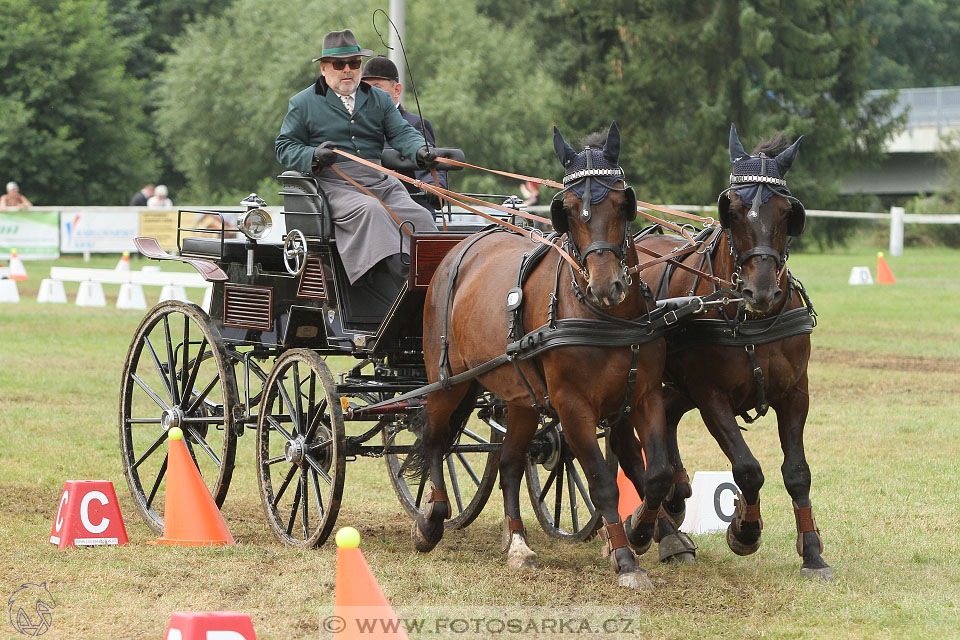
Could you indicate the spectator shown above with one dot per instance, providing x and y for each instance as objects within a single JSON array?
[
  {"x": 13, "y": 199},
  {"x": 140, "y": 198},
  {"x": 159, "y": 200},
  {"x": 530, "y": 191}
]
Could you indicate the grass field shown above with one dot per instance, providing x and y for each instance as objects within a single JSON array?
[{"x": 883, "y": 443}]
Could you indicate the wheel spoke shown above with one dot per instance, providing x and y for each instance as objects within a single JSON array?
[
  {"x": 276, "y": 425},
  {"x": 559, "y": 497},
  {"x": 149, "y": 452},
  {"x": 156, "y": 483},
  {"x": 316, "y": 492},
  {"x": 203, "y": 445},
  {"x": 186, "y": 355},
  {"x": 306, "y": 503},
  {"x": 572, "y": 497},
  {"x": 456, "y": 485},
  {"x": 293, "y": 511},
  {"x": 192, "y": 379},
  {"x": 203, "y": 394},
  {"x": 317, "y": 418},
  {"x": 156, "y": 362},
  {"x": 290, "y": 409},
  {"x": 546, "y": 487},
  {"x": 283, "y": 485},
  {"x": 299, "y": 395},
  {"x": 468, "y": 468},
  {"x": 272, "y": 461},
  {"x": 150, "y": 392},
  {"x": 316, "y": 467},
  {"x": 171, "y": 363},
  {"x": 423, "y": 484},
  {"x": 476, "y": 438},
  {"x": 583, "y": 491}
]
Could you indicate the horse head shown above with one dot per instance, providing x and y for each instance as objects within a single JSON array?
[
  {"x": 760, "y": 216},
  {"x": 595, "y": 209}
]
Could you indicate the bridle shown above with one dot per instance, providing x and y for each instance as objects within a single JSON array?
[{"x": 586, "y": 176}]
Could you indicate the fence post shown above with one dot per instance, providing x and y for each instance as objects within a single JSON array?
[{"x": 896, "y": 231}]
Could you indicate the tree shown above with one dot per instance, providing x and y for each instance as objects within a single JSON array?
[
  {"x": 224, "y": 91},
  {"x": 916, "y": 43},
  {"x": 70, "y": 114}
]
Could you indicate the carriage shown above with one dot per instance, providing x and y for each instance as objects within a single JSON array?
[{"x": 306, "y": 363}]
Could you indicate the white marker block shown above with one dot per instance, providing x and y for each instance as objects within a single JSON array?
[
  {"x": 8, "y": 291},
  {"x": 173, "y": 292},
  {"x": 860, "y": 275},
  {"x": 131, "y": 297},
  {"x": 51, "y": 291},
  {"x": 710, "y": 508},
  {"x": 90, "y": 294}
]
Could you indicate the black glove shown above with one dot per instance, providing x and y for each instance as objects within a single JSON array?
[
  {"x": 323, "y": 156},
  {"x": 426, "y": 159}
]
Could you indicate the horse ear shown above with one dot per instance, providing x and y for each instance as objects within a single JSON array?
[
  {"x": 611, "y": 148},
  {"x": 723, "y": 209},
  {"x": 736, "y": 148},
  {"x": 558, "y": 216},
  {"x": 787, "y": 156},
  {"x": 564, "y": 151},
  {"x": 797, "y": 218},
  {"x": 630, "y": 204}
]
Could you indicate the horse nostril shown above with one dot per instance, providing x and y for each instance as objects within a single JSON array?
[
  {"x": 777, "y": 295},
  {"x": 748, "y": 293}
]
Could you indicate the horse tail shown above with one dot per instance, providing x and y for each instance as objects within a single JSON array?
[{"x": 418, "y": 462}]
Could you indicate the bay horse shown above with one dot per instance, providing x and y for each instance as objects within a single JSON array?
[
  {"x": 472, "y": 313},
  {"x": 738, "y": 359}
]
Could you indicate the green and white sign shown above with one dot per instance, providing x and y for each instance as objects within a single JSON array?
[{"x": 34, "y": 234}]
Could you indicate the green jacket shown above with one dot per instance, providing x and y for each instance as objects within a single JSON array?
[{"x": 317, "y": 114}]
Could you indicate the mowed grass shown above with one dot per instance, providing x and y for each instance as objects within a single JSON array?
[{"x": 883, "y": 443}]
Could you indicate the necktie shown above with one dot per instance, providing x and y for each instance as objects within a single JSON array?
[{"x": 348, "y": 103}]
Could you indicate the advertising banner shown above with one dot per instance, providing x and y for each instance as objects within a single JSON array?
[
  {"x": 162, "y": 225},
  {"x": 98, "y": 232},
  {"x": 34, "y": 234}
]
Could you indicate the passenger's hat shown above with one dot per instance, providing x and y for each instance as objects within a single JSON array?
[
  {"x": 11, "y": 186},
  {"x": 341, "y": 44},
  {"x": 380, "y": 67}
]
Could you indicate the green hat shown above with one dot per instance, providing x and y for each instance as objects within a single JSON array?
[{"x": 341, "y": 44}]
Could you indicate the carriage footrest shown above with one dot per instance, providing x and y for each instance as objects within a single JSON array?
[{"x": 150, "y": 248}]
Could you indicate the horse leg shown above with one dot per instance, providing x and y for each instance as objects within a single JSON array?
[
  {"x": 435, "y": 439},
  {"x": 791, "y": 417},
  {"x": 675, "y": 405},
  {"x": 743, "y": 533},
  {"x": 605, "y": 497},
  {"x": 521, "y": 425}
]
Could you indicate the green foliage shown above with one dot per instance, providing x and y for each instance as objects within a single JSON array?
[
  {"x": 916, "y": 43},
  {"x": 70, "y": 114}
]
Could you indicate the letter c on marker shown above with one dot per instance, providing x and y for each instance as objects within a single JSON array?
[
  {"x": 63, "y": 501},
  {"x": 85, "y": 515}
]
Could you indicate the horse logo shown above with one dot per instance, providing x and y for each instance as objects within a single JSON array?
[{"x": 30, "y": 607}]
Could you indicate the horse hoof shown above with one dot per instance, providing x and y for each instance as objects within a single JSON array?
[
  {"x": 420, "y": 542},
  {"x": 738, "y": 547},
  {"x": 522, "y": 561},
  {"x": 678, "y": 548},
  {"x": 824, "y": 575},
  {"x": 635, "y": 580}
]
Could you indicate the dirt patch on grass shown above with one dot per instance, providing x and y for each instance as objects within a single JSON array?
[{"x": 885, "y": 361}]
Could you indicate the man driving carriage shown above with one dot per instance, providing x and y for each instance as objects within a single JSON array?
[{"x": 340, "y": 112}]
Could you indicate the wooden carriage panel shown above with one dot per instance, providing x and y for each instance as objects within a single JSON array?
[{"x": 427, "y": 252}]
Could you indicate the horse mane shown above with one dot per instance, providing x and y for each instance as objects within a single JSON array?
[
  {"x": 772, "y": 146},
  {"x": 596, "y": 139}
]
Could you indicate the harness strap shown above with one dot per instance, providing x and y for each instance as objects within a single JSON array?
[
  {"x": 668, "y": 258},
  {"x": 747, "y": 512},
  {"x": 396, "y": 218},
  {"x": 761, "y": 401},
  {"x": 805, "y": 524},
  {"x": 613, "y": 536}
]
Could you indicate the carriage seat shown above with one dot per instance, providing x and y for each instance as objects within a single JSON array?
[{"x": 305, "y": 207}]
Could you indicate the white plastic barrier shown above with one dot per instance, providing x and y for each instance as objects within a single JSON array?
[{"x": 173, "y": 284}]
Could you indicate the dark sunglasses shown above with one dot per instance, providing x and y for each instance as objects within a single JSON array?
[{"x": 340, "y": 64}]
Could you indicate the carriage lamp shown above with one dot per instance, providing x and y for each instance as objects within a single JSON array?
[{"x": 255, "y": 222}]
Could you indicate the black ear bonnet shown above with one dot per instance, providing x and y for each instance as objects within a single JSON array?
[
  {"x": 758, "y": 178},
  {"x": 590, "y": 175}
]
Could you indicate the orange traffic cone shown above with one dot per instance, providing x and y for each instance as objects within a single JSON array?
[
  {"x": 190, "y": 516},
  {"x": 884, "y": 275},
  {"x": 359, "y": 604},
  {"x": 124, "y": 264},
  {"x": 629, "y": 498},
  {"x": 17, "y": 271}
]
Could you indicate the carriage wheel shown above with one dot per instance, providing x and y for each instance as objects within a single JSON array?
[
  {"x": 176, "y": 374},
  {"x": 558, "y": 487},
  {"x": 469, "y": 476},
  {"x": 301, "y": 449},
  {"x": 251, "y": 379}
]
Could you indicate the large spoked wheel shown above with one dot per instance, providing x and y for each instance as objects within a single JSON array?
[
  {"x": 558, "y": 487},
  {"x": 469, "y": 475},
  {"x": 301, "y": 449},
  {"x": 176, "y": 375}
]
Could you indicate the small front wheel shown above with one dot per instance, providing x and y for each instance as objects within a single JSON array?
[{"x": 301, "y": 449}]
